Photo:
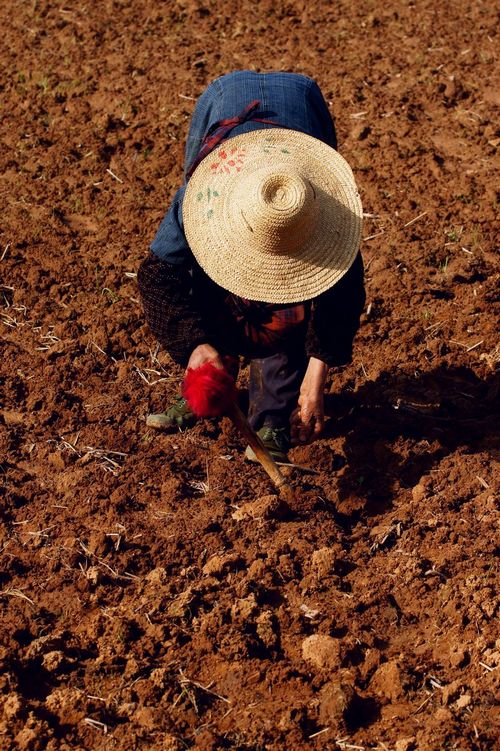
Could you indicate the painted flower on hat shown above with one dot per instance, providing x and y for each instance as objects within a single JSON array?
[{"x": 229, "y": 160}]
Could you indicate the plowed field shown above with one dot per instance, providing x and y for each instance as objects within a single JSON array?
[{"x": 153, "y": 593}]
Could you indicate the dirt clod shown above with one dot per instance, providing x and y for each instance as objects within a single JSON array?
[
  {"x": 405, "y": 744},
  {"x": 322, "y": 651},
  {"x": 337, "y": 701},
  {"x": 387, "y": 681},
  {"x": 219, "y": 564},
  {"x": 265, "y": 507},
  {"x": 323, "y": 562},
  {"x": 266, "y": 629},
  {"x": 52, "y": 661}
]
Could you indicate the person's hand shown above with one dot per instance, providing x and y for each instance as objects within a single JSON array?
[
  {"x": 205, "y": 353},
  {"x": 308, "y": 418}
]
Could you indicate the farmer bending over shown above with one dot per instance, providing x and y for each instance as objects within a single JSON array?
[{"x": 258, "y": 255}]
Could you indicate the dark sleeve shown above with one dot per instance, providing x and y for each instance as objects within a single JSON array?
[
  {"x": 169, "y": 307},
  {"x": 335, "y": 318}
]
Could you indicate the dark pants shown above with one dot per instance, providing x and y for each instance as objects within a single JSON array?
[{"x": 274, "y": 386}]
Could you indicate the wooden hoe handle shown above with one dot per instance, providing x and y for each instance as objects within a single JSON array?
[{"x": 258, "y": 447}]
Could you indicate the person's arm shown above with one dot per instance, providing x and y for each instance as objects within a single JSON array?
[
  {"x": 335, "y": 318},
  {"x": 332, "y": 327},
  {"x": 307, "y": 420}
]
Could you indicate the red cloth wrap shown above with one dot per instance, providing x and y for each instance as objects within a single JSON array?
[{"x": 210, "y": 391}]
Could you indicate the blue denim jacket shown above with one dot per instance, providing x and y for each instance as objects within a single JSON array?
[{"x": 289, "y": 99}]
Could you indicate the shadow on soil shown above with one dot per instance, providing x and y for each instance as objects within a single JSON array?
[{"x": 400, "y": 426}]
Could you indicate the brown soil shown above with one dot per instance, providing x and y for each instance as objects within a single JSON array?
[{"x": 152, "y": 594}]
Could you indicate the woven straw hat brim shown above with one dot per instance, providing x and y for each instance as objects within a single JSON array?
[{"x": 241, "y": 244}]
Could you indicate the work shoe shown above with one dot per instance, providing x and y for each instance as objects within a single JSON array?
[
  {"x": 276, "y": 441},
  {"x": 177, "y": 417}
]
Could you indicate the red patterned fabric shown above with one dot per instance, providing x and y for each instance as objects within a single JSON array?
[
  {"x": 266, "y": 324},
  {"x": 219, "y": 130}
]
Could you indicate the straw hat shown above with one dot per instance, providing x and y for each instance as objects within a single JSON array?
[{"x": 273, "y": 215}]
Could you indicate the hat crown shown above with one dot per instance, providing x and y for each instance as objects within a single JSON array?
[
  {"x": 277, "y": 208},
  {"x": 275, "y": 216}
]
